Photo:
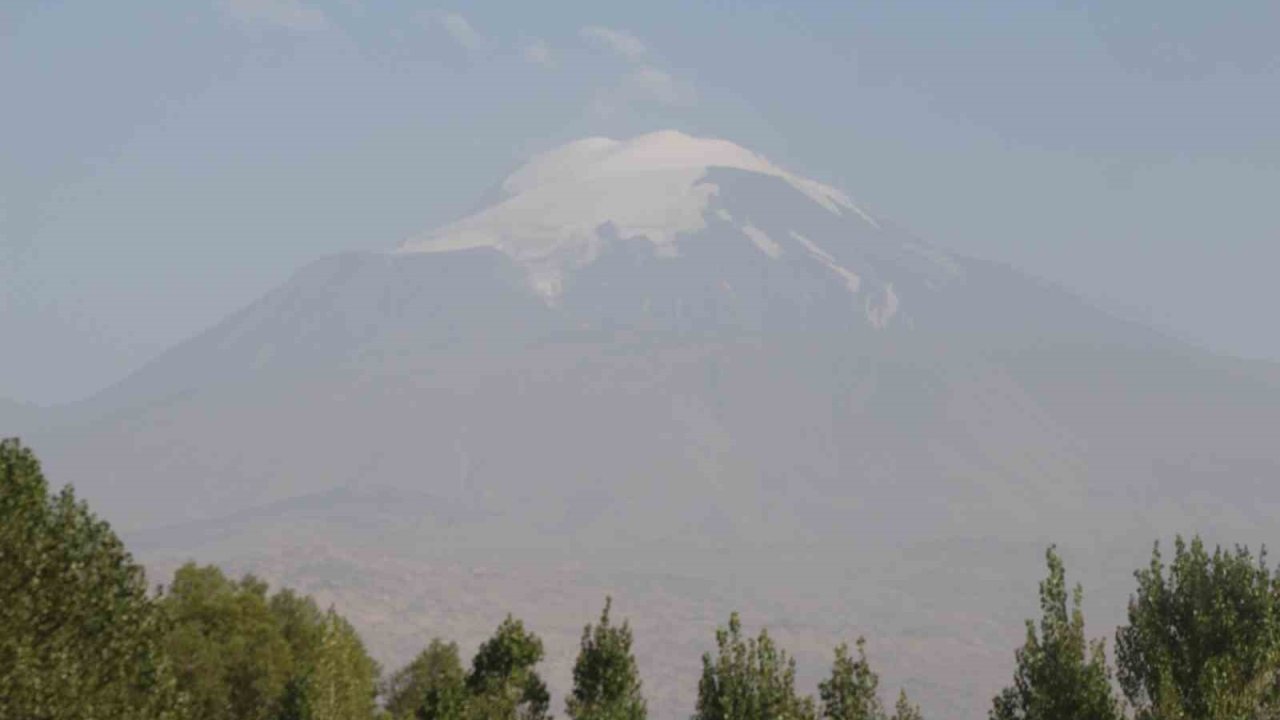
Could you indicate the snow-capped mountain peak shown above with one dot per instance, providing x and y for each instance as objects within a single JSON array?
[
  {"x": 599, "y": 158},
  {"x": 653, "y": 186}
]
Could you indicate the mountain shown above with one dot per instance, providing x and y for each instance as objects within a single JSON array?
[
  {"x": 667, "y": 369},
  {"x": 16, "y": 415}
]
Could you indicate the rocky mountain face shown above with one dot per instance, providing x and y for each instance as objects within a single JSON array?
[{"x": 666, "y": 369}]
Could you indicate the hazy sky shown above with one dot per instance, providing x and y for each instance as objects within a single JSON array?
[{"x": 164, "y": 163}]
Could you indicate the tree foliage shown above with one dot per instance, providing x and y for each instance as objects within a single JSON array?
[
  {"x": 503, "y": 683},
  {"x": 240, "y": 654},
  {"x": 904, "y": 709},
  {"x": 852, "y": 690},
  {"x": 1059, "y": 675},
  {"x": 431, "y": 687},
  {"x": 79, "y": 635},
  {"x": 1203, "y": 639},
  {"x": 749, "y": 679},
  {"x": 301, "y": 624},
  {"x": 851, "y": 693},
  {"x": 344, "y": 680},
  {"x": 230, "y": 655},
  {"x": 606, "y": 680}
]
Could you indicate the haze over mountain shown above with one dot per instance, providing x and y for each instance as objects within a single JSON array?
[{"x": 668, "y": 369}]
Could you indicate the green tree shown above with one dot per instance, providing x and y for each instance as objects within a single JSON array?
[
  {"x": 749, "y": 679},
  {"x": 904, "y": 709},
  {"x": 1203, "y": 639},
  {"x": 344, "y": 682},
  {"x": 79, "y": 635},
  {"x": 302, "y": 625},
  {"x": 229, "y": 652},
  {"x": 431, "y": 687},
  {"x": 606, "y": 680},
  {"x": 503, "y": 683},
  {"x": 851, "y": 693},
  {"x": 1059, "y": 675}
]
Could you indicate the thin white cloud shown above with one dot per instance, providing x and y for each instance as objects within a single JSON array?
[
  {"x": 538, "y": 52},
  {"x": 461, "y": 31},
  {"x": 294, "y": 15},
  {"x": 646, "y": 85},
  {"x": 620, "y": 42},
  {"x": 661, "y": 86}
]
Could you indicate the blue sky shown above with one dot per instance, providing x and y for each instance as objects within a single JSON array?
[{"x": 163, "y": 163}]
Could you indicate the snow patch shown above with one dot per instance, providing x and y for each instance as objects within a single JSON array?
[
  {"x": 851, "y": 279},
  {"x": 762, "y": 241},
  {"x": 880, "y": 315}
]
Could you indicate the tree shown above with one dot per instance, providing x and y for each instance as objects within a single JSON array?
[
  {"x": 606, "y": 681},
  {"x": 79, "y": 634},
  {"x": 1059, "y": 675},
  {"x": 503, "y": 684},
  {"x": 1203, "y": 639},
  {"x": 749, "y": 679},
  {"x": 344, "y": 683},
  {"x": 851, "y": 691},
  {"x": 229, "y": 652},
  {"x": 301, "y": 624},
  {"x": 431, "y": 687},
  {"x": 241, "y": 655},
  {"x": 905, "y": 710}
]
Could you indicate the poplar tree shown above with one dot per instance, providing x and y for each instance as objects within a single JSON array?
[
  {"x": 431, "y": 687},
  {"x": 80, "y": 637},
  {"x": 1203, "y": 639},
  {"x": 503, "y": 683},
  {"x": 851, "y": 693},
  {"x": 301, "y": 623},
  {"x": 749, "y": 679},
  {"x": 1059, "y": 674},
  {"x": 904, "y": 709},
  {"x": 606, "y": 680},
  {"x": 852, "y": 690},
  {"x": 230, "y": 655},
  {"x": 345, "y": 680}
]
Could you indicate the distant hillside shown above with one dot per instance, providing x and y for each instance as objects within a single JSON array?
[{"x": 16, "y": 417}]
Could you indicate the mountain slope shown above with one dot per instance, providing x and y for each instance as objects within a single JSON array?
[
  {"x": 15, "y": 416},
  {"x": 666, "y": 363}
]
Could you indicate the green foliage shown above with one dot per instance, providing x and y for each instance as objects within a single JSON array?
[
  {"x": 301, "y": 624},
  {"x": 606, "y": 681},
  {"x": 1059, "y": 675},
  {"x": 241, "y": 655},
  {"x": 503, "y": 684},
  {"x": 300, "y": 621},
  {"x": 1203, "y": 639},
  {"x": 445, "y": 702},
  {"x": 445, "y": 696},
  {"x": 79, "y": 636},
  {"x": 749, "y": 679},
  {"x": 905, "y": 710},
  {"x": 230, "y": 654},
  {"x": 431, "y": 687},
  {"x": 344, "y": 680},
  {"x": 852, "y": 691}
]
